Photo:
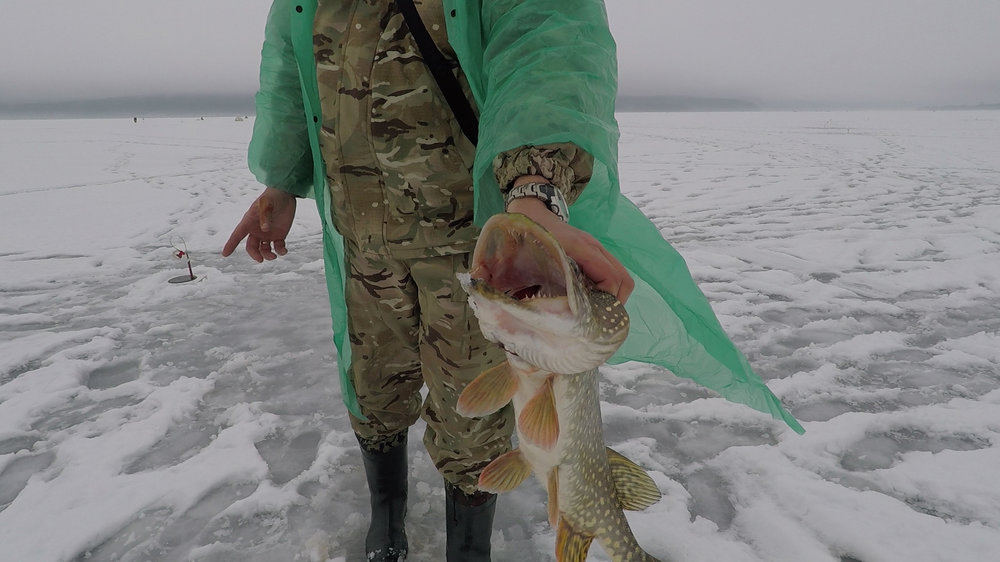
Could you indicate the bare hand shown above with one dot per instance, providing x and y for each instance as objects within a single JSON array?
[
  {"x": 267, "y": 222},
  {"x": 594, "y": 260}
]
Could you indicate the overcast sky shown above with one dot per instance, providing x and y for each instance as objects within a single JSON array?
[{"x": 905, "y": 52}]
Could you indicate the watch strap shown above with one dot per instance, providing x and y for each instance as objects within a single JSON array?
[{"x": 545, "y": 192}]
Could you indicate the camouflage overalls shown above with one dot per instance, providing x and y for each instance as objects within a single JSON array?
[{"x": 399, "y": 171}]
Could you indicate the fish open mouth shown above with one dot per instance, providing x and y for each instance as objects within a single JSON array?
[
  {"x": 521, "y": 261},
  {"x": 532, "y": 300},
  {"x": 524, "y": 292}
]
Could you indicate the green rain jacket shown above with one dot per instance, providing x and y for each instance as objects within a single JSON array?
[{"x": 541, "y": 71}]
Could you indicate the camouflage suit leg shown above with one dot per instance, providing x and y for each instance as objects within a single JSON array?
[{"x": 410, "y": 325}]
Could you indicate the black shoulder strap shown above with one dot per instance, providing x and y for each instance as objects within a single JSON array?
[{"x": 441, "y": 71}]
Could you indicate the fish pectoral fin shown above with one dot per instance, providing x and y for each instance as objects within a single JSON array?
[
  {"x": 571, "y": 546},
  {"x": 636, "y": 489},
  {"x": 539, "y": 421},
  {"x": 505, "y": 473},
  {"x": 553, "y": 489},
  {"x": 488, "y": 392}
]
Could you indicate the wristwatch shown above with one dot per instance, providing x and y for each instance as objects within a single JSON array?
[{"x": 545, "y": 192}]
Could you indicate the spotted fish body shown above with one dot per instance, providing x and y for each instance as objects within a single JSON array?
[{"x": 557, "y": 330}]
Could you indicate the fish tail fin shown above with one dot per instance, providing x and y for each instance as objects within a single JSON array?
[{"x": 571, "y": 545}]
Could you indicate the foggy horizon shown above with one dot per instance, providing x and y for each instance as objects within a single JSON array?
[
  {"x": 772, "y": 54},
  {"x": 242, "y": 104}
]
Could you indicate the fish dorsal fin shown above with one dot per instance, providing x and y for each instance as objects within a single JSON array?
[
  {"x": 553, "y": 488},
  {"x": 488, "y": 392},
  {"x": 538, "y": 421},
  {"x": 571, "y": 545},
  {"x": 505, "y": 473},
  {"x": 636, "y": 489}
]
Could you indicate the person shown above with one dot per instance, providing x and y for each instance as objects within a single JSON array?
[{"x": 347, "y": 113}]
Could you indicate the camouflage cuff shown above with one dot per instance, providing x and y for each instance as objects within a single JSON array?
[
  {"x": 565, "y": 165},
  {"x": 382, "y": 443}
]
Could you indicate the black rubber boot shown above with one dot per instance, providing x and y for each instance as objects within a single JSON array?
[
  {"x": 469, "y": 524},
  {"x": 387, "y": 479}
]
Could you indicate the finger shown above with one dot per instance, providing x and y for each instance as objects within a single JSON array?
[
  {"x": 253, "y": 249},
  {"x": 600, "y": 273},
  {"x": 265, "y": 250},
  {"x": 264, "y": 208},
  {"x": 618, "y": 287},
  {"x": 596, "y": 262},
  {"x": 625, "y": 289},
  {"x": 239, "y": 233},
  {"x": 625, "y": 282},
  {"x": 609, "y": 286},
  {"x": 279, "y": 247},
  {"x": 609, "y": 275}
]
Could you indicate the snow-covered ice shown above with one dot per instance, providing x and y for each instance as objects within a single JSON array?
[{"x": 854, "y": 257}]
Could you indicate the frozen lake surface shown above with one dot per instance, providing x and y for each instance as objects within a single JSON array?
[{"x": 854, "y": 257}]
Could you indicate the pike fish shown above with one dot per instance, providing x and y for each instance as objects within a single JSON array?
[{"x": 556, "y": 330}]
